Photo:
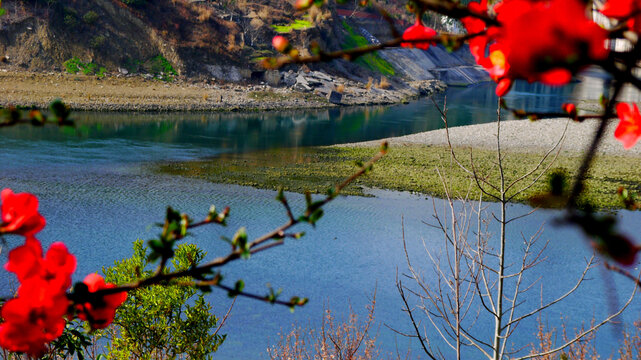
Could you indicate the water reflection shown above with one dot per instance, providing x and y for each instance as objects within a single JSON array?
[{"x": 242, "y": 132}]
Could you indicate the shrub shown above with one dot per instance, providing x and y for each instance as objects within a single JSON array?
[
  {"x": 161, "y": 321},
  {"x": 97, "y": 41},
  {"x": 72, "y": 66},
  {"x": 158, "y": 65},
  {"x": 89, "y": 69},
  {"x": 132, "y": 65},
  {"x": 70, "y": 18},
  {"x": 90, "y": 17}
]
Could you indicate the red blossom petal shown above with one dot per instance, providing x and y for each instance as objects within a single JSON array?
[
  {"x": 619, "y": 9},
  {"x": 59, "y": 260},
  {"x": 100, "y": 314},
  {"x": 628, "y": 131},
  {"x": 25, "y": 260},
  {"x": 569, "y": 108},
  {"x": 503, "y": 87},
  {"x": 20, "y": 213},
  {"x": 556, "y": 77},
  {"x": 421, "y": 36}
]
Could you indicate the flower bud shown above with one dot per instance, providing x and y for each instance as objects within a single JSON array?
[
  {"x": 569, "y": 108},
  {"x": 281, "y": 44},
  {"x": 303, "y": 4}
]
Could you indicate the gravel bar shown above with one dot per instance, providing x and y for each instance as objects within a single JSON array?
[{"x": 519, "y": 135}]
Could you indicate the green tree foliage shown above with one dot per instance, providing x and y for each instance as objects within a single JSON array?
[
  {"x": 161, "y": 321},
  {"x": 90, "y": 17}
]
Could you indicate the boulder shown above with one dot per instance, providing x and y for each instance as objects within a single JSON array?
[
  {"x": 335, "y": 97},
  {"x": 302, "y": 84},
  {"x": 289, "y": 78},
  {"x": 272, "y": 77}
]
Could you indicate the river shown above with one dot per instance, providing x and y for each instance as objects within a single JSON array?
[{"x": 98, "y": 195}]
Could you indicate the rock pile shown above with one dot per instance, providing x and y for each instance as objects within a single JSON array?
[{"x": 339, "y": 90}]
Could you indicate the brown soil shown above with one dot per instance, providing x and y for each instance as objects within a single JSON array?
[{"x": 135, "y": 93}]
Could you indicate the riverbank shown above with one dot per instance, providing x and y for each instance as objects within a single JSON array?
[
  {"x": 419, "y": 163},
  {"x": 138, "y": 93}
]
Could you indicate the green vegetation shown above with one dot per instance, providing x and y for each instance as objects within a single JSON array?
[
  {"x": 371, "y": 61},
  {"x": 159, "y": 66},
  {"x": 90, "y": 17},
  {"x": 161, "y": 321},
  {"x": 296, "y": 25},
  {"x": 405, "y": 168},
  {"x": 97, "y": 41},
  {"x": 74, "y": 66},
  {"x": 132, "y": 65},
  {"x": 70, "y": 17}
]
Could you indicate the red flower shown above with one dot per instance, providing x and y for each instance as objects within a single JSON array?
[
  {"x": 629, "y": 129},
  {"x": 36, "y": 316},
  {"x": 476, "y": 26},
  {"x": 33, "y": 320},
  {"x": 100, "y": 313},
  {"x": 420, "y": 35},
  {"x": 20, "y": 213},
  {"x": 55, "y": 269},
  {"x": 544, "y": 41},
  {"x": 624, "y": 9}
]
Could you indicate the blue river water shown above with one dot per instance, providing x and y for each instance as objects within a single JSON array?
[{"x": 98, "y": 195}]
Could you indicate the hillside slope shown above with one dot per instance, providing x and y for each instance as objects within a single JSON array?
[{"x": 196, "y": 37}]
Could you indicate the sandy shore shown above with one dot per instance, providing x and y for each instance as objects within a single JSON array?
[
  {"x": 520, "y": 135},
  {"x": 137, "y": 93}
]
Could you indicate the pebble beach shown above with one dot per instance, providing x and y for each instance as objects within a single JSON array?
[{"x": 520, "y": 135}]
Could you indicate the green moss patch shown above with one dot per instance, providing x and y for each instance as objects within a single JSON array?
[
  {"x": 371, "y": 61},
  {"x": 296, "y": 25},
  {"x": 406, "y": 168}
]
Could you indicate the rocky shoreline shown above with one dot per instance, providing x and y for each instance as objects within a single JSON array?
[{"x": 125, "y": 92}]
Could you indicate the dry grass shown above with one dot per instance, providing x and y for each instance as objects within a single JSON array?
[
  {"x": 384, "y": 83},
  {"x": 256, "y": 23},
  {"x": 370, "y": 81},
  {"x": 264, "y": 13},
  {"x": 582, "y": 349},
  {"x": 231, "y": 42},
  {"x": 204, "y": 13},
  {"x": 347, "y": 340}
]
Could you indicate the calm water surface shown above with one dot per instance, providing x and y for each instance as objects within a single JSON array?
[{"x": 98, "y": 196}]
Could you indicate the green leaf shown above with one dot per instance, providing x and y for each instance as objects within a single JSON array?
[
  {"x": 156, "y": 245},
  {"x": 315, "y": 216},
  {"x": 240, "y": 239}
]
